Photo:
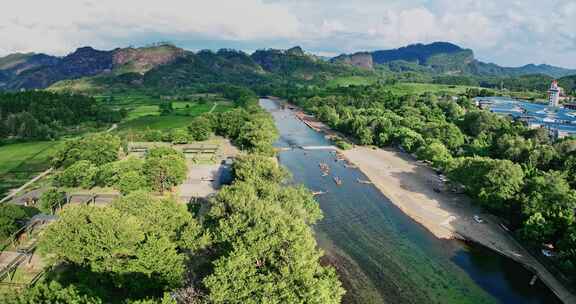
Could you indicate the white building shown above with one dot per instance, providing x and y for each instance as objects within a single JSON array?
[{"x": 554, "y": 94}]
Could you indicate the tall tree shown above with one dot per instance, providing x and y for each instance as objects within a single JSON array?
[
  {"x": 165, "y": 168},
  {"x": 548, "y": 203},
  {"x": 494, "y": 183}
]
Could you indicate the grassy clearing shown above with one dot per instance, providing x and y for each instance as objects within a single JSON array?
[
  {"x": 351, "y": 80},
  {"x": 156, "y": 122},
  {"x": 22, "y": 161},
  {"x": 421, "y": 88},
  {"x": 402, "y": 88},
  {"x": 144, "y": 110},
  {"x": 148, "y": 116}
]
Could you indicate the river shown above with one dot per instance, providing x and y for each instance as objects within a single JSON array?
[{"x": 383, "y": 256}]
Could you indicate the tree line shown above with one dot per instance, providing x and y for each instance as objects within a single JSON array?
[{"x": 46, "y": 115}]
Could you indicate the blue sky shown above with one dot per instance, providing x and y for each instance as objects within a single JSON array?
[{"x": 507, "y": 32}]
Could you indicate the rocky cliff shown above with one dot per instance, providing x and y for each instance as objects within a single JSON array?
[
  {"x": 445, "y": 59},
  {"x": 141, "y": 60},
  {"x": 33, "y": 71},
  {"x": 361, "y": 60}
]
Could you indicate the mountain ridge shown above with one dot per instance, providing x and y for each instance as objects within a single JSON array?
[
  {"x": 152, "y": 64},
  {"x": 446, "y": 58},
  {"x": 36, "y": 71}
]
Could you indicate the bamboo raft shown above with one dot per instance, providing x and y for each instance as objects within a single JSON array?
[
  {"x": 361, "y": 181},
  {"x": 337, "y": 180},
  {"x": 324, "y": 168}
]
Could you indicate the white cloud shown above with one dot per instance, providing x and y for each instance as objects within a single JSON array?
[
  {"x": 60, "y": 25},
  {"x": 509, "y": 32}
]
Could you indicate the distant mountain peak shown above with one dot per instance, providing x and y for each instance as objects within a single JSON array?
[
  {"x": 296, "y": 51},
  {"x": 444, "y": 58}
]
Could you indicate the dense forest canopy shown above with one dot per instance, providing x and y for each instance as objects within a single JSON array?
[{"x": 42, "y": 115}]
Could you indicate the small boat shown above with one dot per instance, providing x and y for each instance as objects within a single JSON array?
[
  {"x": 478, "y": 219},
  {"x": 337, "y": 180},
  {"x": 350, "y": 166},
  {"x": 316, "y": 193},
  {"x": 361, "y": 181}
]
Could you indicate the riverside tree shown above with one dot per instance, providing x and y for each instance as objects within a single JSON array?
[
  {"x": 548, "y": 205},
  {"x": 267, "y": 249},
  {"x": 494, "y": 183}
]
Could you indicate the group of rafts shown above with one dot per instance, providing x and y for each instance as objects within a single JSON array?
[{"x": 325, "y": 170}]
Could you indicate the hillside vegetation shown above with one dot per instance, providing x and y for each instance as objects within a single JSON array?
[
  {"x": 443, "y": 58},
  {"x": 45, "y": 115}
]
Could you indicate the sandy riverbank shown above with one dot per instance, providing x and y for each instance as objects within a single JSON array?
[{"x": 410, "y": 186}]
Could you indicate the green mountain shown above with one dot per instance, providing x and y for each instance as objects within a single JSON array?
[
  {"x": 199, "y": 70},
  {"x": 442, "y": 58},
  {"x": 13, "y": 60},
  {"x": 568, "y": 83},
  {"x": 34, "y": 71}
]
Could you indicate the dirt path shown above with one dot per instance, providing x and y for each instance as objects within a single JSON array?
[
  {"x": 112, "y": 128},
  {"x": 14, "y": 192},
  {"x": 410, "y": 186},
  {"x": 30, "y": 182},
  {"x": 213, "y": 107}
]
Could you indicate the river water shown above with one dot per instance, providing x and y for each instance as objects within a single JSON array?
[{"x": 381, "y": 254}]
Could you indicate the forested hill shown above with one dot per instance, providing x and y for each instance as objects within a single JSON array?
[
  {"x": 36, "y": 71},
  {"x": 568, "y": 83},
  {"x": 163, "y": 66},
  {"x": 45, "y": 115},
  {"x": 198, "y": 70},
  {"x": 443, "y": 58}
]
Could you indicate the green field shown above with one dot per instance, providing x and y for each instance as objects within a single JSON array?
[
  {"x": 21, "y": 162},
  {"x": 351, "y": 80},
  {"x": 404, "y": 88},
  {"x": 148, "y": 116},
  {"x": 401, "y": 88}
]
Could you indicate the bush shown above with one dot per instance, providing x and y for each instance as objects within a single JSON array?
[
  {"x": 131, "y": 181},
  {"x": 200, "y": 128},
  {"x": 436, "y": 153},
  {"x": 153, "y": 135},
  {"x": 342, "y": 144},
  {"x": 180, "y": 136},
  {"x": 11, "y": 218}
]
